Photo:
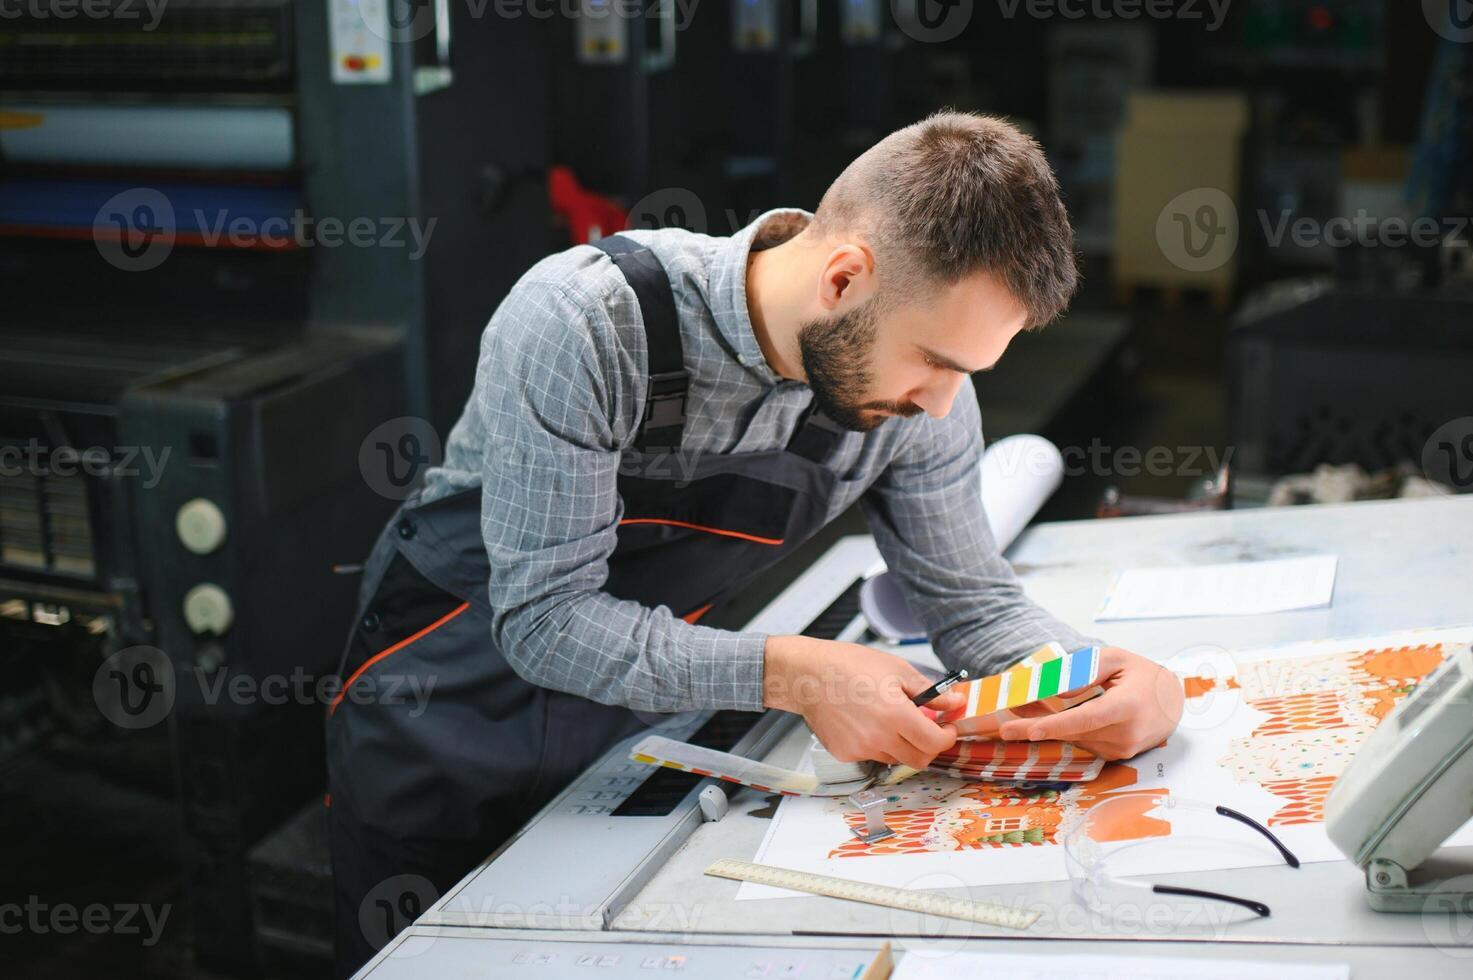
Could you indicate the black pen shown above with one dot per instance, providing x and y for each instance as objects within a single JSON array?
[{"x": 939, "y": 688}]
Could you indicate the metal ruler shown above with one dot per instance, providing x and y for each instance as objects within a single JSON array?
[{"x": 925, "y": 902}]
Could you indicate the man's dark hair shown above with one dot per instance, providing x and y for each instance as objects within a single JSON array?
[{"x": 952, "y": 195}]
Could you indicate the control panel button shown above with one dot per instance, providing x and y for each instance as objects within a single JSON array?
[
  {"x": 200, "y": 526},
  {"x": 208, "y": 609}
]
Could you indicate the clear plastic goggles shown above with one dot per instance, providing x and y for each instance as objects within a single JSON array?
[{"x": 1113, "y": 849}]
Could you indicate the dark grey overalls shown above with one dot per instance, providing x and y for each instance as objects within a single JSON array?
[{"x": 429, "y": 796}]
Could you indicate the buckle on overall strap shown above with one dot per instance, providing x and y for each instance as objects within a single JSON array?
[
  {"x": 816, "y": 436},
  {"x": 664, "y": 411},
  {"x": 664, "y": 407}
]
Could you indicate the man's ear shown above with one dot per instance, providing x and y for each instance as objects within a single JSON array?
[{"x": 847, "y": 277}]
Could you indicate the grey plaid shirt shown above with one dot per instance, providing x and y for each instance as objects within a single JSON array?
[{"x": 560, "y": 385}]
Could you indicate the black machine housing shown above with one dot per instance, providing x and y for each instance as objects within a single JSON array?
[{"x": 252, "y": 379}]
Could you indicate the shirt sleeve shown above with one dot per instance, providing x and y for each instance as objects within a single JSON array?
[
  {"x": 557, "y": 398},
  {"x": 926, "y": 514}
]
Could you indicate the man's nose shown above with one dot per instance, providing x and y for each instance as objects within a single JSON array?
[{"x": 936, "y": 399}]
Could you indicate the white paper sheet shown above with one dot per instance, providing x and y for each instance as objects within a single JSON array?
[
  {"x": 1234, "y": 747},
  {"x": 916, "y": 966},
  {"x": 1233, "y": 589}
]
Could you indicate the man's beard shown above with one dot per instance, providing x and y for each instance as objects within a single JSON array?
[{"x": 836, "y": 354}]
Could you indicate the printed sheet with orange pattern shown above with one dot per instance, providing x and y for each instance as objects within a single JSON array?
[{"x": 1266, "y": 732}]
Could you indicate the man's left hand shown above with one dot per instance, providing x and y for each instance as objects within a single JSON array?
[{"x": 1141, "y": 705}]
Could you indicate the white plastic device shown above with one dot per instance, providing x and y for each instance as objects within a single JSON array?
[{"x": 1407, "y": 790}]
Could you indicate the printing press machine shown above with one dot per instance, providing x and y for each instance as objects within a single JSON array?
[
  {"x": 197, "y": 355},
  {"x": 609, "y": 876}
]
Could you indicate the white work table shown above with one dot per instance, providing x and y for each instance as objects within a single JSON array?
[{"x": 1403, "y": 564}]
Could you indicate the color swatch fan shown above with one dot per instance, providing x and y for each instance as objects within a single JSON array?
[
  {"x": 1034, "y": 679},
  {"x": 984, "y": 760}
]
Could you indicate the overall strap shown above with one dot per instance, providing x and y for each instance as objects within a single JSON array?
[
  {"x": 816, "y": 435},
  {"x": 664, "y": 409}
]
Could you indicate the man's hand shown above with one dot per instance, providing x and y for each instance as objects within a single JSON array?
[
  {"x": 857, "y": 700},
  {"x": 1140, "y": 707}
]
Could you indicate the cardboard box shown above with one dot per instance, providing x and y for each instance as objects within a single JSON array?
[{"x": 1177, "y": 191}]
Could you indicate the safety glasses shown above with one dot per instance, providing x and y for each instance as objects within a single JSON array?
[{"x": 1110, "y": 845}]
